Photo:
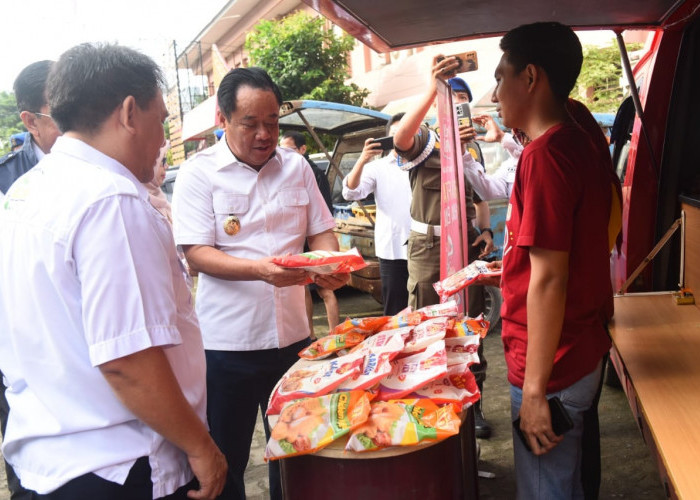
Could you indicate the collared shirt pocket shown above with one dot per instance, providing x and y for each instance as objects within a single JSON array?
[
  {"x": 293, "y": 204},
  {"x": 230, "y": 209}
]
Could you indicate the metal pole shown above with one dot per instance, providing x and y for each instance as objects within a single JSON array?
[{"x": 177, "y": 80}]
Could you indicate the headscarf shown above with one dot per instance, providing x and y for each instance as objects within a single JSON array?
[{"x": 155, "y": 193}]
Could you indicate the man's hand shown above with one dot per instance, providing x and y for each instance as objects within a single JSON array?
[
  {"x": 279, "y": 276},
  {"x": 370, "y": 150},
  {"x": 493, "y": 131},
  {"x": 331, "y": 281},
  {"x": 492, "y": 280},
  {"x": 488, "y": 241},
  {"x": 210, "y": 469},
  {"x": 536, "y": 424},
  {"x": 466, "y": 133},
  {"x": 444, "y": 68}
]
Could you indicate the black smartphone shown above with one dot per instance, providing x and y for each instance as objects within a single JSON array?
[
  {"x": 561, "y": 421},
  {"x": 386, "y": 142}
]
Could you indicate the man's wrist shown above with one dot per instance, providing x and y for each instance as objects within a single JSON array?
[{"x": 486, "y": 230}]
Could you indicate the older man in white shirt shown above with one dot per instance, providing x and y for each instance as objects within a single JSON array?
[
  {"x": 99, "y": 344},
  {"x": 392, "y": 195},
  {"x": 236, "y": 206}
]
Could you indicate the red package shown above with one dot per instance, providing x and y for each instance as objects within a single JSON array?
[
  {"x": 462, "y": 350},
  {"x": 377, "y": 361},
  {"x": 367, "y": 326},
  {"x": 384, "y": 340},
  {"x": 464, "y": 277},
  {"x": 313, "y": 379},
  {"x": 458, "y": 387},
  {"x": 448, "y": 308},
  {"x": 413, "y": 372},
  {"x": 403, "y": 320},
  {"x": 324, "y": 261}
]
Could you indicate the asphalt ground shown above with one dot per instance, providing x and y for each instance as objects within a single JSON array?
[{"x": 628, "y": 470}]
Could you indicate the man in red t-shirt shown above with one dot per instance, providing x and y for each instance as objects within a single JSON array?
[{"x": 556, "y": 280}]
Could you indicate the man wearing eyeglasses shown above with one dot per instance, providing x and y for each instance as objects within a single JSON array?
[{"x": 30, "y": 92}]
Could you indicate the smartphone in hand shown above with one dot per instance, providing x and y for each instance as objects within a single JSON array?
[
  {"x": 561, "y": 421},
  {"x": 387, "y": 143}
]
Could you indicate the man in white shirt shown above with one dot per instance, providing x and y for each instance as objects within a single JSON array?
[
  {"x": 236, "y": 206},
  {"x": 99, "y": 344},
  {"x": 392, "y": 194}
]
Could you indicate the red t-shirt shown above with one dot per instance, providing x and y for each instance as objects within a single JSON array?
[{"x": 560, "y": 201}]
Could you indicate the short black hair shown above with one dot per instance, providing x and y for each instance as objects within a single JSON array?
[
  {"x": 552, "y": 46},
  {"x": 254, "y": 77},
  {"x": 30, "y": 86},
  {"x": 393, "y": 120},
  {"x": 90, "y": 81},
  {"x": 297, "y": 137}
]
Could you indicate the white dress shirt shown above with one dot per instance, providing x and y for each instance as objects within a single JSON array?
[
  {"x": 277, "y": 207},
  {"x": 88, "y": 274},
  {"x": 392, "y": 194},
  {"x": 500, "y": 183}
]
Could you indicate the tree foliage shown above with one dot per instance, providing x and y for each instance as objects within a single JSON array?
[
  {"x": 10, "y": 122},
  {"x": 598, "y": 85},
  {"x": 304, "y": 59}
]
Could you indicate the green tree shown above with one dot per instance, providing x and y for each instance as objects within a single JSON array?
[
  {"x": 10, "y": 122},
  {"x": 598, "y": 85},
  {"x": 304, "y": 59}
]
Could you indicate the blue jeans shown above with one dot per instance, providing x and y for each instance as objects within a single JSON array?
[
  {"x": 557, "y": 474},
  {"x": 238, "y": 383}
]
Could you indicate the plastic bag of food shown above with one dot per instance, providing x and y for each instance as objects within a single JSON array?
[
  {"x": 309, "y": 424},
  {"x": 426, "y": 333},
  {"x": 313, "y": 379},
  {"x": 367, "y": 326},
  {"x": 404, "y": 423},
  {"x": 462, "y": 350},
  {"x": 470, "y": 326},
  {"x": 413, "y": 372},
  {"x": 325, "y": 346},
  {"x": 448, "y": 308},
  {"x": 403, "y": 320},
  {"x": 377, "y": 361},
  {"x": 324, "y": 261},
  {"x": 457, "y": 387},
  {"x": 384, "y": 340},
  {"x": 474, "y": 272}
]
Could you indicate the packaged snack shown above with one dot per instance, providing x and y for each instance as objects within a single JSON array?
[
  {"x": 402, "y": 320},
  {"x": 470, "y": 326},
  {"x": 457, "y": 387},
  {"x": 404, "y": 423},
  {"x": 325, "y": 346},
  {"x": 388, "y": 339},
  {"x": 313, "y": 379},
  {"x": 448, "y": 308},
  {"x": 377, "y": 361},
  {"x": 324, "y": 261},
  {"x": 309, "y": 424},
  {"x": 413, "y": 372},
  {"x": 462, "y": 350},
  {"x": 367, "y": 326},
  {"x": 426, "y": 333},
  {"x": 463, "y": 278}
]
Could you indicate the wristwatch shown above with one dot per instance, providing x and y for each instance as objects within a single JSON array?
[{"x": 486, "y": 230}]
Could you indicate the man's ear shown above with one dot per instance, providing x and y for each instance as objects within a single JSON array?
[
  {"x": 29, "y": 120},
  {"x": 533, "y": 75},
  {"x": 302, "y": 149},
  {"x": 127, "y": 114}
]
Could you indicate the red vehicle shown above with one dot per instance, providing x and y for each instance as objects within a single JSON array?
[{"x": 659, "y": 170}]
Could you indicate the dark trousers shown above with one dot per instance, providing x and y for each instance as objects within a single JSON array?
[
  {"x": 138, "y": 486},
  {"x": 238, "y": 383},
  {"x": 394, "y": 275},
  {"x": 590, "y": 444},
  {"x": 17, "y": 492}
]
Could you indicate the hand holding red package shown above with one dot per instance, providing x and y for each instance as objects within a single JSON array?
[
  {"x": 323, "y": 262},
  {"x": 473, "y": 273}
]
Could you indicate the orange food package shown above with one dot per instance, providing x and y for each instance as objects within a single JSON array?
[
  {"x": 324, "y": 261},
  {"x": 314, "y": 379},
  {"x": 402, "y": 320},
  {"x": 457, "y": 387},
  {"x": 470, "y": 326},
  {"x": 367, "y": 326},
  {"x": 404, "y": 423},
  {"x": 309, "y": 424},
  {"x": 325, "y": 346},
  {"x": 426, "y": 333},
  {"x": 413, "y": 372},
  {"x": 464, "y": 277}
]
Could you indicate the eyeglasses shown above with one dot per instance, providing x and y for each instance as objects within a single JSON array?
[{"x": 42, "y": 114}]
